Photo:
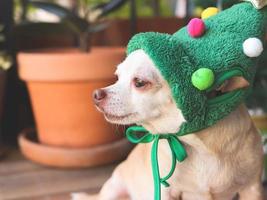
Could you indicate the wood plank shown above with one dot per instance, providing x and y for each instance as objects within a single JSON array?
[
  {"x": 14, "y": 162},
  {"x": 63, "y": 196},
  {"x": 51, "y": 181},
  {"x": 23, "y": 179},
  {"x": 17, "y": 167}
]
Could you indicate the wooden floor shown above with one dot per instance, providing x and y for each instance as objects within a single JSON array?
[{"x": 23, "y": 180}]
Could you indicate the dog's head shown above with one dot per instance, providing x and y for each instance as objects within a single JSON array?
[{"x": 141, "y": 96}]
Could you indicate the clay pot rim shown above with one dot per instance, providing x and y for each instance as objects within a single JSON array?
[
  {"x": 66, "y": 50},
  {"x": 86, "y": 157},
  {"x": 69, "y": 64}
]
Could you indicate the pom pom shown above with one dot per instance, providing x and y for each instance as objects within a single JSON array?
[
  {"x": 196, "y": 27},
  {"x": 203, "y": 78},
  {"x": 209, "y": 12},
  {"x": 253, "y": 47}
]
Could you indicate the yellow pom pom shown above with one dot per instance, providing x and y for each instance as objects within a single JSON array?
[{"x": 209, "y": 12}]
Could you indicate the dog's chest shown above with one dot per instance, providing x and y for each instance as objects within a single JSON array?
[{"x": 205, "y": 174}]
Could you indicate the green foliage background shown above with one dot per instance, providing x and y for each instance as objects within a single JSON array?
[
  {"x": 209, "y": 3},
  {"x": 144, "y": 9}
]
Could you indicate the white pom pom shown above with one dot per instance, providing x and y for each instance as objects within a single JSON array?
[{"x": 253, "y": 47}]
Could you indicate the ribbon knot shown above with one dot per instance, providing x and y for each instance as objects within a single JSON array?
[{"x": 177, "y": 150}]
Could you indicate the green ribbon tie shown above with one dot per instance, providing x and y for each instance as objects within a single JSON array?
[{"x": 177, "y": 149}]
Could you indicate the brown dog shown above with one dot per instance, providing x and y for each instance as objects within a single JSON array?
[{"x": 223, "y": 160}]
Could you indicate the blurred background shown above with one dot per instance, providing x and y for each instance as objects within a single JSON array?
[{"x": 53, "y": 54}]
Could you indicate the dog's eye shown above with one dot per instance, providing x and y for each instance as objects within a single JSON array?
[{"x": 139, "y": 83}]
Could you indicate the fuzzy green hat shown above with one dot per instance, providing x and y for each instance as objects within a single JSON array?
[{"x": 202, "y": 56}]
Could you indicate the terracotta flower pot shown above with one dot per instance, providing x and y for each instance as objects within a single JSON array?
[{"x": 60, "y": 83}]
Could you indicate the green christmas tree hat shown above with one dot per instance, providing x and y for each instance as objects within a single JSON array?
[{"x": 200, "y": 57}]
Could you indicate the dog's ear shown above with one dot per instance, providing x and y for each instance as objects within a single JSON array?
[{"x": 234, "y": 83}]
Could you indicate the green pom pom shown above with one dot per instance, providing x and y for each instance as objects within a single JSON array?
[{"x": 203, "y": 78}]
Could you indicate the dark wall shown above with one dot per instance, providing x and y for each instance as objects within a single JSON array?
[
  {"x": 6, "y": 18},
  {"x": 6, "y": 13},
  {"x": 16, "y": 112}
]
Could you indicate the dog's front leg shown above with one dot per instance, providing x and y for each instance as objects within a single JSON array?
[
  {"x": 110, "y": 191},
  {"x": 114, "y": 188}
]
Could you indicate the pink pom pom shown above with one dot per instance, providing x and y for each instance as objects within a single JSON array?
[{"x": 196, "y": 27}]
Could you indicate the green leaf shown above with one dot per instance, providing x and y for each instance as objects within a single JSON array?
[
  {"x": 52, "y": 8},
  {"x": 81, "y": 25},
  {"x": 111, "y": 6},
  {"x": 98, "y": 27},
  {"x": 5, "y": 61}
]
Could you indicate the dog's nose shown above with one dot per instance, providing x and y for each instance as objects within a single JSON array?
[{"x": 99, "y": 95}]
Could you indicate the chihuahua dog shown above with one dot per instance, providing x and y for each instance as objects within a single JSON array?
[{"x": 224, "y": 160}]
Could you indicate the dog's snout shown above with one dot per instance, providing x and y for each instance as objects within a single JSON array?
[{"x": 99, "y": 95}]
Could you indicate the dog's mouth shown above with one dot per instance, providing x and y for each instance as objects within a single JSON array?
[{"x": 111, "y": 117}]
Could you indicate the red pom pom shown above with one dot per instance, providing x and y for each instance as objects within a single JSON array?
[{"x": 196, "y": 27}]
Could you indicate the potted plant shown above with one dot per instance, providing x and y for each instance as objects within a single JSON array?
[
  {"x": 70, "y": 132},
  {"x": 5, "y": 64}
]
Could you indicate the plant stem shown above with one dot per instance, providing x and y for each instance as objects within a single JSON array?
[
  {"x": 133, "y": 16},
  {"x": 156, "y": 8},
  {"x": 220, "y": 4},
  {"x": 85, "y": 41}
]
